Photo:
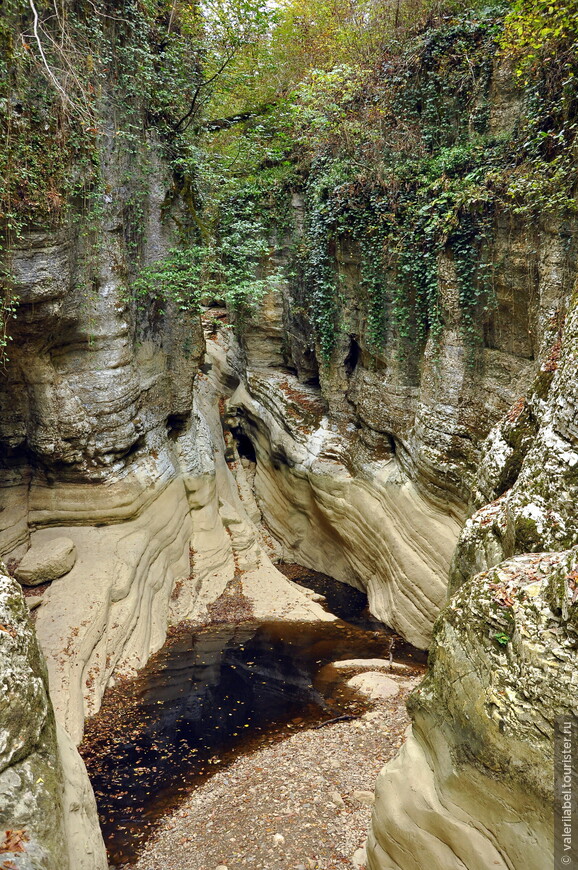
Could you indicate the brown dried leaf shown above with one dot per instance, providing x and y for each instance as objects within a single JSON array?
[
  {"x": 14, "y": 841},
  {"x": 503, "y": 598}
]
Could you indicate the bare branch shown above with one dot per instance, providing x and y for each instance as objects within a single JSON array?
[
  {"x": 172, "y": 17},
  {"x": 198, "y": 90},
  {"x": 51, "y": 75}
]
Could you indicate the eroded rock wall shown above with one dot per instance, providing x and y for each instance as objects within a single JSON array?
[
  {"x": 46, "y": 821},
  {"x": 109, "y": 440},
  {"x": 107, "y": 446},
  {"x": 376, "y": 454},
  {"x": 474, "y": 788},
  {"x": 473, "y": 785},
  {"x": 367, "y": 467},
  {"x": 337, "y": 507},
  {"x": 369, "y": 462}
]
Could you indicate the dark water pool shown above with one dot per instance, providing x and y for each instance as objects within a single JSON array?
[
  {"x": 344, "y": 601},
  {"x": 207, "y": 696}
]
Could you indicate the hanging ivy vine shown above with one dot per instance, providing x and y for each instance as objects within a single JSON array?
[{"x": 429, "y": 198}]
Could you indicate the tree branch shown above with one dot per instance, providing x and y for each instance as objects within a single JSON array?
[
  {"x": 51, "y": 75},
  {"x": 225, "y": 123},
  {"x": 200, "y": 87}
]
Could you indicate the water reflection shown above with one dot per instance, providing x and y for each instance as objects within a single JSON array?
[{"x": 201, "y": 700}]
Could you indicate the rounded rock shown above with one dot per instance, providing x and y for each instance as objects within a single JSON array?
[
  {"x": 46, "y": 561},
  {"x": 364, "y": 797}
]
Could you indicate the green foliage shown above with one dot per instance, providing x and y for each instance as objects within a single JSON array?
[
  {"x": 141, "y": 74},
  {"x": 540, "y": 39},
  {"x": 231, "y": 266},
  {"x": 419, "y": 190},
  {"x": 8, "y": 311},
  {"x": 399, "y": 160},
  {"x": 239, "y": 260},
  {"x": 376, "y": 113},
  {"x": 319, "y": 260},
  {"x": 176, "y": 278},
  {"x": 502, "y": 638},
  {"x": 536, "y": 27}
]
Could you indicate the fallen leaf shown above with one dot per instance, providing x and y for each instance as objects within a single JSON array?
[{"x": 14, "y": 841}]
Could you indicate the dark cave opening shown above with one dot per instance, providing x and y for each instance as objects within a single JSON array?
[
  {"x": 176, "y": 424},
  {"x": 245, "y": 447},
  {"x": 352, "y": 358}
]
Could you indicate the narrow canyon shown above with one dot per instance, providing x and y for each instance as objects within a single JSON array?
[{"x": 289, "y": 298}]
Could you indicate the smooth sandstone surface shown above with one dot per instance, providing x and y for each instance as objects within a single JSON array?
[
  {"x": 365, "y": 469},
  {"x": 362, "y": 522},
  {"x": 472, "y": 787},
  {"x": 374, "y": 685}
]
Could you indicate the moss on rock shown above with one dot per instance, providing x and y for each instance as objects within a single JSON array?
[{"x": 31, "y": 783}]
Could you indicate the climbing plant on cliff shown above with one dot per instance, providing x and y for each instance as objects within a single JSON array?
[
  {"x": 383, "y": 125},
  {"x": 375, "y": 115},
  {"x": 390, "y": 141},
  {"x": 540, "y": 40},
  {"x": 404, "y": 195},
  {"x": 232, "y": 268},
  {"x": 92, "y": 84}
]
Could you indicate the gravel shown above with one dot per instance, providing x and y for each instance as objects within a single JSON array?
[{"x": 300, "y": 804}]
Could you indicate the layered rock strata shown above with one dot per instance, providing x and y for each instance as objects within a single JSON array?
[
  {"x": 474, "y": 785},
  {"x": 367, "y": 464},
  {"x": 108, "y": 442},
  {"x": 342, "y": 510}
]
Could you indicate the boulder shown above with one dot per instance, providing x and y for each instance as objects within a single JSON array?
[
  {"x": 46, "y": 561},
  {"x": 335, "y": 670},
  {"x": 48, "y": 816}
]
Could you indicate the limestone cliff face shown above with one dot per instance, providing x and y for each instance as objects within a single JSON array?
[
  {"x": 473, "y": 786},
  {"x": 364, "y": 468},
  {"x": 338, "y": 507},
  {"x": 526, "y": 485},
  {"x": 376, "y": 456},
  {"x": 368, "y": 463},
  {"x": 367, "y": 467},
  {"x": 109, "y": 441},
  {"x": 93, "y": 404}
]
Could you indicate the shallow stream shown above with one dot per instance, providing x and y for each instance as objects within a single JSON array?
[{"x": 214, "y": 692}]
